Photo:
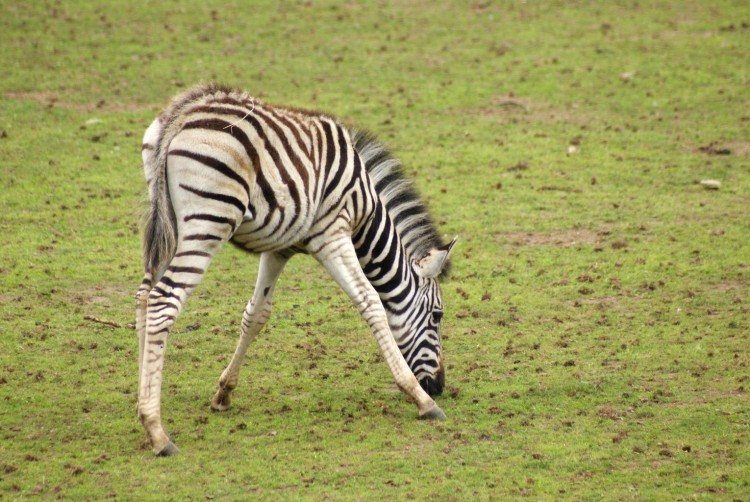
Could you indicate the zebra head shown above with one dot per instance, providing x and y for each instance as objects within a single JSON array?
[{"x": 421, "y": 345}]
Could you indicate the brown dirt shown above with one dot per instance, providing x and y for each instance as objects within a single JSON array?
[
  {"x": 51, "y": 100},
  {"x": 565, "y": 238},
  {"x": 740, "y": 148},
  {"x": 511, "y": 107},
  {"x": 737, "y": 147}
]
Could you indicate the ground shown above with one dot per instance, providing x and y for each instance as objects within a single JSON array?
[{"x": 596, "y": 326}]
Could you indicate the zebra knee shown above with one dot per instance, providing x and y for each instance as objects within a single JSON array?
[
  {"x": 163, "y": 309},
  {"x": 141, "y": 296},
  {"x": 256, "y": 314},
  {"x": 166, "y": 293}
]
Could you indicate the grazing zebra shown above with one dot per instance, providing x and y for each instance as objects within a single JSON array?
[{"x": 222, "y": 166}]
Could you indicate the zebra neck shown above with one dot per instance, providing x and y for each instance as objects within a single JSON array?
[{"x": 386, "y": 264}]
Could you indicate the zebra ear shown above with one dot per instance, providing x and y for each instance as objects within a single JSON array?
[{"x": 431, "y": 265}]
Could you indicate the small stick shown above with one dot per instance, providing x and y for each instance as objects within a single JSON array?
[
  {"x": 516, "y": 104},
  {"x": 109, "y": 323}
]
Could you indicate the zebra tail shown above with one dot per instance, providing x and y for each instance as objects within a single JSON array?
[
  {"x": 159, "y": 223},
  {"x": 160, "y": 234}
]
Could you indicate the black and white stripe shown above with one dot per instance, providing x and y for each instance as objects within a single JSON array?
[{"x": 222, "y": 166}]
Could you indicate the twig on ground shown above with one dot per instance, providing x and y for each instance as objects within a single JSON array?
[
  {"x": 512, "y": 104},
  {"x": 91, "y": 318}
]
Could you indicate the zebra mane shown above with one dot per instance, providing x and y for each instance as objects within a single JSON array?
[{"x": 414, "y": 225}]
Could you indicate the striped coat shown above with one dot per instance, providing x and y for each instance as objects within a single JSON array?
[{"x": 222, "y": 166}]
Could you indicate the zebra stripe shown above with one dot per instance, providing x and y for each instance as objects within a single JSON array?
[{"x": 222, "y": 166}]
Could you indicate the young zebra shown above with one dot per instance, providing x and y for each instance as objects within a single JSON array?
[{"x": 222, "y": 166}]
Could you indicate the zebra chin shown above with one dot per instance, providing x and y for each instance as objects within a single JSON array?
[{"x": 433, "y": 386}]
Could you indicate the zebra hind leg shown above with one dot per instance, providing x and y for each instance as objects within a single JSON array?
[
  {"x": 141, "y": 304},
  {"x": 256, "y": 313},
  {"x": 164, "y": 303}
]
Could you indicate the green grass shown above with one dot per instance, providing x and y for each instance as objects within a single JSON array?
[{"x": 597, "y": 315}]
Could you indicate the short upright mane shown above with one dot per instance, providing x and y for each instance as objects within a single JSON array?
[{"x": 414, "y": 225}]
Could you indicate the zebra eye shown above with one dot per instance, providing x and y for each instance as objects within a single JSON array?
[{"x": 437, "y": 316}]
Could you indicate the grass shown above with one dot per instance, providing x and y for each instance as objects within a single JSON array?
[{"x": 597, "y": 314}]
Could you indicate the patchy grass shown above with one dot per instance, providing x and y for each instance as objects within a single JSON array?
[{"x": 597, "y": 325}]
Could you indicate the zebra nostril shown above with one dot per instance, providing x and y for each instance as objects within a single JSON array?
[
  {"x": 425, "y": 385},
  {"x": 431, "y": 386}
]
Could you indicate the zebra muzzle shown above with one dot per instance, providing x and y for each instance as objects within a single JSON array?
[{"x": 434, "y": 386}]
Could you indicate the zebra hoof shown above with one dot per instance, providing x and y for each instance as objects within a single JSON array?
[
  {"x": 169, "y": 450},
  {"x": 221, "y": 400},
  {"x": 434, "y": 413}
]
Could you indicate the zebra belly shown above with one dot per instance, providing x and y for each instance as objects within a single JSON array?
[{"x": 268, "y": 232}]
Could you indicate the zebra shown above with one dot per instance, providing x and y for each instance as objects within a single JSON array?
[{"x": 222, "y": 166}]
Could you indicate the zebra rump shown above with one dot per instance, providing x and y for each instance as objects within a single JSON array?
[{"x": 158, "y": 221}]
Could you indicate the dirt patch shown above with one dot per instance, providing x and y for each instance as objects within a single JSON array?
[
  {"x": 100, "y": 294},
  {"x": 565, "y": 238},
  {"x": 739, "y": 148},
  {"x": 603, "y": 301},
  {"x": 510, "y": 107},
  {"x": 729, "y": 287},
  {"x": 51, "y": 100}
]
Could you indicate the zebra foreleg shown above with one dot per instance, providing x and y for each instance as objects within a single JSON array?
[
  {"x": 256, "y": 313},
  {"x": 340, "y": 260}
]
